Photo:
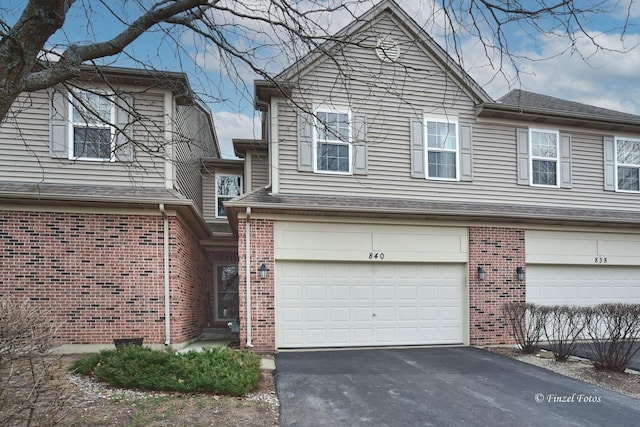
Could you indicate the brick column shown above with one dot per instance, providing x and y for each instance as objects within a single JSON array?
[
  {"x": 499, "y": 251},
  {"x": 262, "y": 290}
]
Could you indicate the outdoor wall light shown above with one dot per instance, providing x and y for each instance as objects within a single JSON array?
[
  {"x": 520, "y": 273},
  {"x": 263, "y": 271},
  {"x": 481, "y": 273}
]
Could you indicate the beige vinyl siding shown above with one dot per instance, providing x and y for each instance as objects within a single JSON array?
[
  {"x": 259, "y": 170},
  {"x": 25, "y": 142},
  {"x": 194, "y": 140},
  {"x": 407, "y": 90},
  {"x": 209, "y": 197},
  {"x": 390, "y": 94}
]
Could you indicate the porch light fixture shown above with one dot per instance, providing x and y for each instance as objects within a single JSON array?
[
  {"x": 481, "y": 273},
  {"x": 520, "y": 273},
  {"x": 263, "y": 271}
]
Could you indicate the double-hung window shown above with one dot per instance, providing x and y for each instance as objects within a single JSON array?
[
  {"x": 91, "y": 130},
  {"x": 544, "y": 157},
  {"x": 628, "y": 164},
  {"x": 227, "y": 187},
  {"x": 441, "y": 149},
  {"x": 332, "y": 140}
]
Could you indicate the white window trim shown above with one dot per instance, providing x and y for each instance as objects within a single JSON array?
[
  {"x": 349, "y": 144},
  {"x": 616, "y": 164},
  {"x": 217, "y": 196},
  {"x": 440, "y": 119},
  {"x": 532, "y": 157},
  {"x": 112, "y": 119}
]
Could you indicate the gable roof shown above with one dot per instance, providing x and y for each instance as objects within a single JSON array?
[
  {"x": 522, "y": 105},
  {"x": 265, "y": 89}
]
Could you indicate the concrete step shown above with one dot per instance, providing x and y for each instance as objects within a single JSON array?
[{"x": 218, "y": 333}]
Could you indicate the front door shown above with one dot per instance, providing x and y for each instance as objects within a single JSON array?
[{"x": 226, "y": 293}]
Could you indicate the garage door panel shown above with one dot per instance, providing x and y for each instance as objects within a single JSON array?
[
  {"x": 369, "y": 304},
  {"x": 582, "y": 285}
]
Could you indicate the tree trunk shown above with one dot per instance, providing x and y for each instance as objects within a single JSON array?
[{"x": 21, "y": 47}]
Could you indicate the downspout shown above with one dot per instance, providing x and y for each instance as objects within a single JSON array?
[
  {"x": 167, "y": 312},
  {"x": 247, "y": 266}
]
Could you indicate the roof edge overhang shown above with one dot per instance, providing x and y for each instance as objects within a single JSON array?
[
  {"x": 450, "y": 212},
  {"x": 241, "y": 146},
  {"x": 540, "y": 115},
  {"x": 264, "y": 90},
  {"x": 216, "y": 163},
  {"x": 185, "y": 208},
  {"x": 176, "y": 82}
]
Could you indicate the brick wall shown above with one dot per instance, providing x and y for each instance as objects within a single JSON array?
[
  {"x": 499, "y": 251},
  {"x": 262, "y": 291},
  {"x": 187, "y": 274},
  {"x": 101, "y": 275}
]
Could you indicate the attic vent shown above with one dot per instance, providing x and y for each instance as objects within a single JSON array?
[{"x": 387, "y": 49}]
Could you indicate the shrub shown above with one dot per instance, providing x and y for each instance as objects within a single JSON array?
[
  {"x": 32, "y": 391},
  {"x": 614, "y": 335},
  {"x": 219, "y": 369},
  {"x": 562, "y": 329},
  {"x": 526, "y": 323}
]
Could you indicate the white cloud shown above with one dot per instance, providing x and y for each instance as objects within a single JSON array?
[
  {"x": 230, "y": 126},
  {"x": 603, "y": 77}
]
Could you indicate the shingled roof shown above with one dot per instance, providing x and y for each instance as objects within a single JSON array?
[
  {"x": 367, "y": 207},
  {"x": 530, "y": 100},
  {"x": 522, "y": 105}
]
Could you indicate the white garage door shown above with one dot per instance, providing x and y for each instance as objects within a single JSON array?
[
  {"x": 582, "y": 285},
  {"x": 321, "y": 304}
]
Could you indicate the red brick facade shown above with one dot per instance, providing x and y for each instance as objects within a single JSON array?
[
  {"x": 499, "y": 251},
  {"x": 262, "y": 290},
  {"x": 189, "y": 284},
  {"x": 102, "y": 275}
]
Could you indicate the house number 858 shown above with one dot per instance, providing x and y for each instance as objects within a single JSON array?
[
  {"x": 601, "y": 260},
  {"x": 376, "y": 255}
]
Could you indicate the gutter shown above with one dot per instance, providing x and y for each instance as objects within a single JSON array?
[
  {"x": 167, "y": 302},
  {"x": 247, "y": 265}
]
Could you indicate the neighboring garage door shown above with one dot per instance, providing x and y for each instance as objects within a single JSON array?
[
  {"x": 348, "y": 304},
  {"x": 582, "y": 285},
  {"x": 582, "y": 268},
  {"x": 345, "y": 285}
]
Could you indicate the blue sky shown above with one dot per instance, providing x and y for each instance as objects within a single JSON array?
[{"x": 547, "y": 63}]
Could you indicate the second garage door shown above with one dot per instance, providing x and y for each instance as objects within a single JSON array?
[
  {"x": 332, "y": 304},
  {"x": 582, "y": 285}
]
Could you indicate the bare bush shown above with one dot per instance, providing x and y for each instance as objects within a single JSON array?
[
  {"x": 31, "y": 383},
  {"x": 562, "y": 328},
  {"x": 526, "y": 323},
  {"x": 614, "y": 335}
]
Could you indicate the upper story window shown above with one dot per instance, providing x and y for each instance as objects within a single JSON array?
[
  {"x": 227, "y": 187},
  {"x": 332, "y": 141},
  {"x": 628, "y": 164},
  {"x": 441, "y": 140},
  {"x": 544, "y": 157},
  {"x": 91, "y": 132},
  {"x": 441, "y": 149}
]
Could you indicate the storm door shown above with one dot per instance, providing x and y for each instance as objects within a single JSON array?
[{"x": 227, "y": 293}]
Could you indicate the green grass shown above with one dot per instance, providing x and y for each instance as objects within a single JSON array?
[{"x": 216, "y": 370}]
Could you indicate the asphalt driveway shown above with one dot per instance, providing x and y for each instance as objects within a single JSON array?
[{"x": 450, "y": 386}]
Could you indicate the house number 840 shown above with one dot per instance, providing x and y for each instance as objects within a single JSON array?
[{"x": 376, "y": 255}]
